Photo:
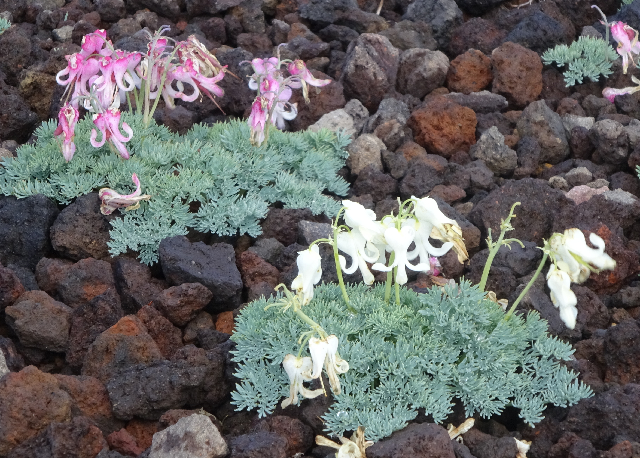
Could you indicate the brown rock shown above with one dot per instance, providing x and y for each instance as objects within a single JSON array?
[
  {"x": 299, "y": 436},
  {"x": 124, "y": 443},
  {"x": 122, "y": 345},
  {"x": 517, "y": 74},
  {"x": 50, "y": 272},
  {"x": 85, "y": 280},
  {"x": 166, "y": 335},
  {"x": 255, "y": 270},
  {"x": 143, "y": 431},
  {"x": 443, "y": 127},
  {"x": 88, "y": 321},
  {"x": 10, "y": 287},
  {"x": 469, "y": 72},
  {"x": 476, "y": 33},
  {"x": 180, "y": 304},
  {"x": 30, "y": 400},
  {"x": 135, "y": 284},
  {"x": 448, "y": 193},
  {"x": 78, "y": 438},
  {"x": 225, "y": 323},
  {"x": 90, "y": 399}
]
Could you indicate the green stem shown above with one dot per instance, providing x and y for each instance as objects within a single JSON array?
[
  {"x": 526, "y": 288},
  {"x": 315, "y": 326},
  {"x": 336, "y": 258},
  {"x": 487, "y": 266},
  {"x": 397, "y": 285},
  {"x": 387, "y": 288}
]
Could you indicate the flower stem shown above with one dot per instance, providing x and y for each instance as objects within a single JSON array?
[
  {"x": 315, "y": 326},
  {"x": 336, "y": 258},
  {"x": 397, "y": 285},
  {"x": 526, "y": 288},
  {"x": 387, "y": 288}
]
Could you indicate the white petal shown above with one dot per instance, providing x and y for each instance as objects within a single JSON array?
[{"x": 318, "y": 349}]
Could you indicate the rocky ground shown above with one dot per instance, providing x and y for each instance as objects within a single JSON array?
[{"x": 442, "y": 99}]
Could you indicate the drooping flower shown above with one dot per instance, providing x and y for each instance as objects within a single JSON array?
[
  {"x": 445, "y": 229},
  {"x": 627, "y": 39},
  {"x": 353, "y": 244},
  {"x": 309, "y": 273},
  {"x": 611, "y": 93},
  {"x": 67, "y": 119},
  {"x": 111, "y": 200},
  {"x": 258, "y": 119},
  {"x": 561, "y": 295},
  {"x": 399, "y": 241},
  {"x": 349, "y": 448},
  {"x": 93, "y": 43},
  {"x": 263, "y": 68},
  {"x": 204, "y": 63},
  {"x": 324, "y": 353},
  {"x": 108, "y": 123},
  {"x": 298, "y": 69},
  {"x": 571, "y": 254},
  {"x": 424, "y": 251},
  {"x": 298, "y": 369}
]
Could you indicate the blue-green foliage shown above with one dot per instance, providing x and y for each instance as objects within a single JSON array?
[
  {"x": 588, "y": 57},
  {"x": 424, "y": 353},
  {"x": 4, "y": 25},
  {"x": 211, "y": 179}
]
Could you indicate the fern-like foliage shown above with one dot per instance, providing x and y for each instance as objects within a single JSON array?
[
  {"x": 423, "y": 353},
  {"x": 588, "y": 57},
  {"x": 5, "y": 24},
  {"x": 211, "y": 179}
]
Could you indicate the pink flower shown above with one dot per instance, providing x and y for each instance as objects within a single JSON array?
[
  {"x": 67, "y": 117},
  {"x": 298, "y": 69},
  {"x": 258, "y": 118},
  {"x": 111, "y": 200},
  {"x": 611, "y": 93},
  {"x": 108, "y": 124},
  {"x": 93, "y": 43},
  {"x": 263, "y": 68},
  {"x": 627, "y": 39},
  {"x": 204, "y": 62}
]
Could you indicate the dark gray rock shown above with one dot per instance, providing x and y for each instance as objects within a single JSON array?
[
  {"x": 308, "y": 232},
  {"x": 612, "y": 208},
  {"x": 370, "y": 68},
  {"x": 195, "y": 435},
  {"x": 268, "y": 249},
  {"x": 421, "y": 71},
  {"x": 610, "y": 140},
  {"x": 442, "y": 15},
  {"x": 371, "y": 181},
  {"x": 480, "y": 176},
  {"x": 419, "y": 180},
  {"x": 411, "y": 34},
  {"x": 325, "y": 12},
  {"x": 490, "y": 148},
  {"x": 81, "y": 231},
  {"x": 24, "y": 229},
  {"x": 538, "y": 32},
  {"x": 539, "y": 121},
  {"x": 258, "y": 444},
  {"x": 135, "y": 285},
  {"x": 388, "y": 110},
  {"x": 110, "y": 10},
  {"x": 164, "y": 8},
  {"x": 534, "y": 221},
  {"x": 480, "y": 102}
]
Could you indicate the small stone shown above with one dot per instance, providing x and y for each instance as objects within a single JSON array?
[
  {"x": 63, "y": 33},
  {"x": 517, "y": 73},
  {"x": 491, "y": 149},
  {"x": 191, "y": 436},
  {"x": 337, "y": 120},
  {"x": 421, "y": 71},
  {"x": 469, "y": 72},
  {"x": 578, "y": 176},
  {"x": 364, "y": 152},
  {"x": 559, "y": 182},
  {"x": 181, "y": 304},
  {"x": 10, "y": 287},
  {"x": 539, "y": 121}
]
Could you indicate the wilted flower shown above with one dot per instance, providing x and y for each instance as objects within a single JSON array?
[
  {"x": 67, "y": 119},
  {"x": 350, "y": 448},
  {"x": 627, "y": 39},
  {"x": 309, "y": 273},
  {"x": 611, "y": 93},
  {"x": 204, "y": 63},
  {"x": 298, "y": 69},
  {"x": 111, "y": 200},
  {"x": 324, "y": 353},
  {"x": 445, "y": 229},
  {"x": 298, "y": 371},
  {"x": 109, "y": 125},
  {"x": 399, "y": 241}
]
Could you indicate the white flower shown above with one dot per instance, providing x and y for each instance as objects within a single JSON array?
[
  {"x": 297, "y": 369},
  {"x": 309, "y": 273},
  {"x": 562, "y": 296},
  {"x": 353, "y": 243},
  {"x": 424, "y": 250},
  {"x": 399, "y": 241},
  {"x": 324, "y": 353},
  {"x": 350, "y": 448},
  {"x": 445, "y": 229}
]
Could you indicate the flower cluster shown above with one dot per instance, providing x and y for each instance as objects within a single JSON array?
[
  {"x": 271, "y": 104},
  {"x": 367, "y": 240},
  {"x": 573, "y": 261},
  {"x": 100, "y": 78}
]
